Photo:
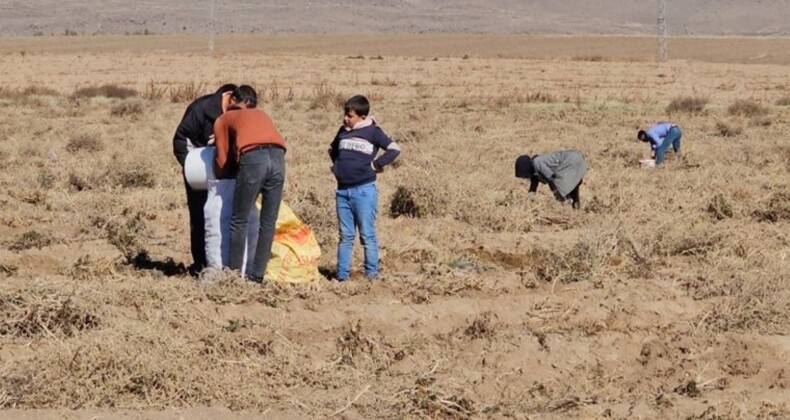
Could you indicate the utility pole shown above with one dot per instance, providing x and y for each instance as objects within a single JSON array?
[
  {"x": 211, "y": 29},
  {"x": 662, "y": 31}
]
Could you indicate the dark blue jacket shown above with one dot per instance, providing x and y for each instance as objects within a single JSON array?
[
  {"x": 197, "y": 125},
  {"x": 354, "y": 151}
]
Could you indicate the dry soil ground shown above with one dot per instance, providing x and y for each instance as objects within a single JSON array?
[{"x": 665, "y": 296}]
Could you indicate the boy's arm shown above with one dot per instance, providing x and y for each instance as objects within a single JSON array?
[
  {"x": 334, "y": 148},
  {"x": 221, "y": 140},
  {"x": 391, "y": 150}
]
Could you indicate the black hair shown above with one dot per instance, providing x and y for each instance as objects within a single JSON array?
[
  {"x": 245, "y": 93},
  {"x": 642, "y": 135},
  {"x": 359, "y": 104},
  {"x": 524, "y": 167},
  {"x": 227, "y": 87}
]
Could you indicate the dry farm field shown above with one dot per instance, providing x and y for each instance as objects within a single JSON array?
[{"x": 666, "y": 295}]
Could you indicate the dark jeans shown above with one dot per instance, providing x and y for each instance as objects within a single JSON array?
[
  {"x": 260, "y": 171},
  {"x": 574, "y": 195},
  {"x": 197, "y": 225}
]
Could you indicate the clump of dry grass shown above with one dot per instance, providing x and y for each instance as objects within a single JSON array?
[
  {"x": 12, "y": 94},
  {"x": 747, "y": 108},
  {"x": 105, "y": 373},
  {"x": 186, "y": 92},
  {"x": 107, "y": 91},
  {"x": 403, "y": 204},
  {"x": 416, "y": 201},
  {"x": 273, "y": 92},
  {"x": 353, "y": 344},
  {"x": 37, "y": 313},
  {"x": 134, "y": 176},
  {"x": 220, "y": 347},
  {"x": 756, "y": 304},
  {"x": 523, "y": 98},
  {"x": 125, "y": 236},
  {"x": 720, "y": 207},
  {"x": 776, "y": 209},
  {"x": 127, "y": 108},
  {"x": 761, "y": 121},
  {"x": 39, "y": 91},
  {"x": 690, "y": 243},
  {"x": 30, "y": 239},
  {"x": 46, "y": 178},
  {"x": 325, "y": 97},
  {"x": 595, "y": 58},
  {"x": 85, "y": 142},
  {"x": 409, "y": 136},
  {"x": 80, "y": 182},
  {"x": 87, "y": 267},
  {"x": 483, "y": 326},
  {"x": 317, "y": 211},
  {"x": 427, "y": 398},
  {"x": 153, "y": 92},
  {"x": 227, "y": 287},
  {"x": 36, "y": 197},
  {"x": 726, "y": 130},
  {"x": 783, "y": 101},
  {"x": 687, "y": 104},
  {"x": 583, "y": 262},
  {"x": 8, "y": 270}
]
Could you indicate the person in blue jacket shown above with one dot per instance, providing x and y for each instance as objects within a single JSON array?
[
  {"x": 661, "y": 136},
  {"x": 355, "y": 163}
]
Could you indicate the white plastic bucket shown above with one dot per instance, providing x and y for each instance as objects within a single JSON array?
[
  {"x": 647, "y": 163},
  {"x": 199, "y": 167}
]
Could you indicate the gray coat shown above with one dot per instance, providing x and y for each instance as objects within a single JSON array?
[{"x": 564, "y": 169}]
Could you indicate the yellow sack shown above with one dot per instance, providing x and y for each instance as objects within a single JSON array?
[{"x": 295, "y": 251}]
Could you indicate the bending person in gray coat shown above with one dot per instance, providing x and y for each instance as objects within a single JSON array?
[{"x": 563, "y": 171}]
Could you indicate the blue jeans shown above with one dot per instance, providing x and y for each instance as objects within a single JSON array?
[
  {"x": 356, "y": 209},
  {"x": 672, "y": 138}
]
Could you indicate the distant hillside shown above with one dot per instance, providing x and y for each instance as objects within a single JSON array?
[{"x": 688, "y": 17}]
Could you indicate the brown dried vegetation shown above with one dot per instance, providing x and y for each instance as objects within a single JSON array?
[{"x": 666, "y": 296}]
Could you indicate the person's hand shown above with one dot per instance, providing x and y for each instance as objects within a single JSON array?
[
  {"x": 210, "y": 140},
  {"x": 376, "y": 168}
]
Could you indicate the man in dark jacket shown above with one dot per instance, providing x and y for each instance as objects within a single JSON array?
[{"x": 197, "y": 130}]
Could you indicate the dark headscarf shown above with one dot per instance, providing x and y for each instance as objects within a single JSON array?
[{"x": 524, "y": 168}]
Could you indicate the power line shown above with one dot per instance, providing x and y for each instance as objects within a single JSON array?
[
  {"x": 211, "y": 29},
  {"x": 662, "y": 32}
]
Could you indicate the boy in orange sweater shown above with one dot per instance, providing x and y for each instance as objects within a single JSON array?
[{"x": 247, "y": 138}]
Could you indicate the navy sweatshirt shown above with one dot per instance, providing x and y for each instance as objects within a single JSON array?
[{"x": 354, "y": 151}]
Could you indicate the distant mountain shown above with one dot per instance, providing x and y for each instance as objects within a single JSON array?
[{"x": 628, "y": 17}]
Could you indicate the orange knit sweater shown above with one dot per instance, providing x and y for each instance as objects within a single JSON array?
[{"x": 239, "y": 130}]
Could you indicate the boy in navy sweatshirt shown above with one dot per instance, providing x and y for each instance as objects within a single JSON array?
[{"x": 355, "y": 165}]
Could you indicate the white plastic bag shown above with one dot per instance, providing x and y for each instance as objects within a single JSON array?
[{"x": 217, "y": 212}]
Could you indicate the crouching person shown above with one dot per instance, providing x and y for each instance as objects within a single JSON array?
[
  {"x": 563, "y": 171},
  {"x": 661, "y": 136},
  {"x": 247, "y": 137}
]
